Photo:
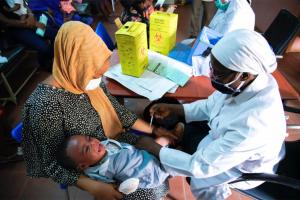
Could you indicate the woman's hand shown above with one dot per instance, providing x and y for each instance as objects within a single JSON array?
[
  {"x": 100, "y": 190},
  {"x": 30, "y": 21},
  {"x": 40, "y": 25}
]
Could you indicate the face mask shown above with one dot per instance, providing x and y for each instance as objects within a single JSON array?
[
  {"x": 225, "y": 88},
  {"x": 93, "y": 84},
  {"x": 222, "y": 6}
]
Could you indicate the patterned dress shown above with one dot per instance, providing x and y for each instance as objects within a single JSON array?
[{"x": 50, "y": 114}]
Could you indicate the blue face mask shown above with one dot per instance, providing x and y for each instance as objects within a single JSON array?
[{"x": 221, "y": 6}]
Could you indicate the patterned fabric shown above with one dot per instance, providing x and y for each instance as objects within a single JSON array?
[
  {"x": 78, "y": 60},
  {"x": 49, "y": 115}
]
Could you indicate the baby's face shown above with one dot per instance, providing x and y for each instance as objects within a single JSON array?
[{"x": 85, "y": 150}]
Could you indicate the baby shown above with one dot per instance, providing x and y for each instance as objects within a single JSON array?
[
  {"x": 111, "y": 161},
  {"x": 18, "y": 7}
]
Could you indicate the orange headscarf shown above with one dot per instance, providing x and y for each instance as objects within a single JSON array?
[{"x": 78, "y": 54}]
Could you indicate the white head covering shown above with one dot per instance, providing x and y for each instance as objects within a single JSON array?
[{"x": 245, "y": 51}]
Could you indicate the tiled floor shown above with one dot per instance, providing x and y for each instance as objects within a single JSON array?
[{"x": 15, "y": 185}]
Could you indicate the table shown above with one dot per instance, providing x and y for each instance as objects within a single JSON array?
[{"x": 198, "y": 87}]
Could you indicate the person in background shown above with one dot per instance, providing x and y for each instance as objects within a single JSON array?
[
  {"x": 202, "y": 13},
  {"x": 102, "y": 8},
  {"x": 24, "y": 31},
  {"x": 52, "y": 9},
  {"x": 75, "y": 100},
  {"x": 242, "y": 126},
  {"x": 134, "y": 10},
  {"x": 232, "y": 15},
  {"x": 69, "y": 11},
  {"x": 17, "y": 7}
]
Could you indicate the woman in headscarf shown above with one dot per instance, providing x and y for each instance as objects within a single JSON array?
[
  {"x": 246, "y": 124},
  {"x": 71, "y": 102}
]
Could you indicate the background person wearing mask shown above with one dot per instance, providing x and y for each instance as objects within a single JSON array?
[
  {"x": 232, "y": 15},
  {"x": 75, "y": 100},
  {"x": 246, "y": 124}
]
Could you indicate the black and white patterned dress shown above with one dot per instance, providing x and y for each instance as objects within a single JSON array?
[{"x": 50, "y": 114}]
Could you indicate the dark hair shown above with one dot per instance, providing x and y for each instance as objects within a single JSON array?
[
  {"x": 127, "y": 4},
  {"x": 62, "y": 157}
]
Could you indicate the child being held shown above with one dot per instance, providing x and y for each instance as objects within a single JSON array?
[{"x": 111, "y": 161}]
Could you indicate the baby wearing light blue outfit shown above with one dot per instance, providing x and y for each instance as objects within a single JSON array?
[
  {"x": 111, "y": 161},
  {"x": 124, "y": 161}
]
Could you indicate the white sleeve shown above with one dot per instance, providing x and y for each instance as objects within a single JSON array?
[
  {"x": 199, "y": 110},
  {"x": 217, "y": 157}
]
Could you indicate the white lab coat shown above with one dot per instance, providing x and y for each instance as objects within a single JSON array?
[
  {"x": 247, "y": 134},
  {"x": 239, "y": 15}
]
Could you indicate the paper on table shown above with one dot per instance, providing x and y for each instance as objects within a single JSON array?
[
  {"x": 173, "y": 89},
  {"x": 149, "y": 85},
  {"x": 170, "y": 68}
]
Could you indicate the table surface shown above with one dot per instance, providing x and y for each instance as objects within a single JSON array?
[{"x": 198, "y": 87}]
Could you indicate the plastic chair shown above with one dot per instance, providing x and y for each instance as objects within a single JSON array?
[
  {"x": 101, "y": 31},
  {"x": 16, "y": 134},
  {"x": 282, "y": 30}
]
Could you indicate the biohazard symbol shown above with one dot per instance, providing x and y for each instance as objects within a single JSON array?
[
  {"x": 157, "y": 37},
  {"x": 143, "y": 51}
]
